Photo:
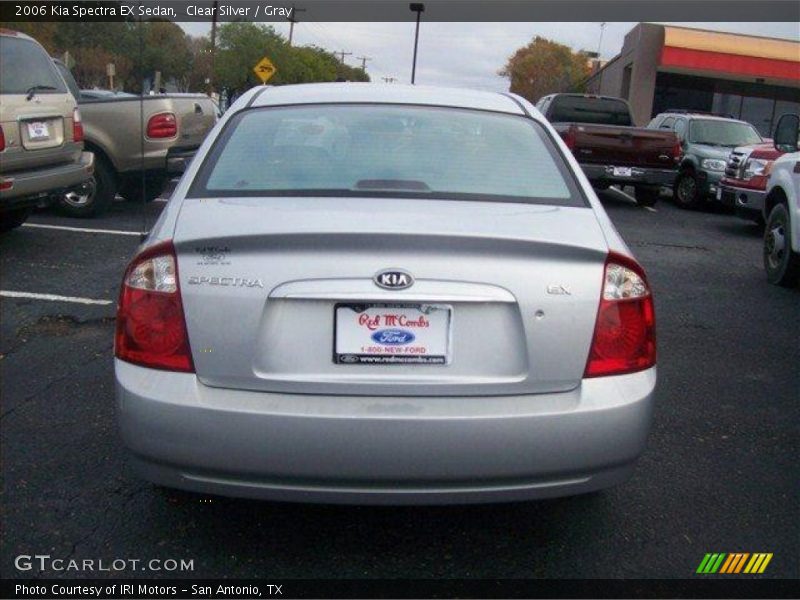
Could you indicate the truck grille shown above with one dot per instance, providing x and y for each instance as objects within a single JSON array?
[{"x": 734, "y": 169}]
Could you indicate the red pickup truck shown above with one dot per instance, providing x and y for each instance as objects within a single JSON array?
[
  {"x": 599, "y": 131},
  {"x": 744, "y": 185}
]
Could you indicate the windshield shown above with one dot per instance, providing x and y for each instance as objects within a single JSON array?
[
  {"x": 589, "y": 109},
  {"x": 25, "y": 68},
  {"x": 722, "y": 133},
  {"x": 369, "y": 150}
]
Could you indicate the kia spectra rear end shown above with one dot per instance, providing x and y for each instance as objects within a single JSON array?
[{"x": 384, "y": 294}]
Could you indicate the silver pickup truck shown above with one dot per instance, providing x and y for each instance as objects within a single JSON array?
[{"x": 139, "y": 142}]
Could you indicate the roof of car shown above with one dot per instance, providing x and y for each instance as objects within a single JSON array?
[
  {"x": 392, "y": 93},
  {"x": 13, "y": 33},
  {"x": 700, "y": 115}
]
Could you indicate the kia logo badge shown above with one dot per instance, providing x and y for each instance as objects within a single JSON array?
[{"x": 393, "y": 279}]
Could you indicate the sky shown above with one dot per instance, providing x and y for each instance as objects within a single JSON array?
[{"x": 470, "y": 54}]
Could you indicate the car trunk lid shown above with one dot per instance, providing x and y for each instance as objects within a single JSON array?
[{"x": 515, "y": 287}]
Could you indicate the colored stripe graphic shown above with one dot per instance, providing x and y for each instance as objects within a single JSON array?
[{"x": 722, "y": 563}]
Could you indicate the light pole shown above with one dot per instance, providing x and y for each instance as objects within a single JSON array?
[{"x": 418, "y": 8}]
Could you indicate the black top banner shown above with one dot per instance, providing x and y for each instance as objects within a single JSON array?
[{"x": 399, "y": 10}]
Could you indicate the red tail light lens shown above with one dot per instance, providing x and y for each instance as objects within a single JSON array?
[
  {"x": 677, "y": 151},
  {"x": 77, "y": 126},
  {"x": 2, "y": 140},
  {"x": 569, "y": 138},
  {"x": 625, "y": 332},
  {"x": 162, "y": 125},
  {"x": 151, "y": 328}
]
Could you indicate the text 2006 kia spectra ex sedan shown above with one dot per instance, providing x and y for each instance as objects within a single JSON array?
[{"x": 384, "y": 294}]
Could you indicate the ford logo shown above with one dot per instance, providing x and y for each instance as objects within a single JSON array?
[
  {"x": 393, "y": 337},
  {"x": 393, "y": 279}
]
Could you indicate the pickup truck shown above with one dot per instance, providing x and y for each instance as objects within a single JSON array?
[
  {"x": 174, "y": 127},
  {"x": 782, "y": 207},
  {"x": 744, "y": 185},
  {"x": 599, "y": 131}
]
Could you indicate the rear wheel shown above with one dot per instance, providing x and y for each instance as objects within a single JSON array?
[
  {"x": 686, "y": 191},
  {"x": 780, "y": 261},
  {"x": 13, "y": 218},
  {"x": 647, "y": 195},
  {"x": 94, "y": 197}
]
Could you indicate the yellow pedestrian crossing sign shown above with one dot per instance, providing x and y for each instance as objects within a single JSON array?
[{"x": 264, "y": 69}]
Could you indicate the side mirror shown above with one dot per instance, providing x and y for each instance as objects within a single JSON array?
[{"x": 786, "y": 133}]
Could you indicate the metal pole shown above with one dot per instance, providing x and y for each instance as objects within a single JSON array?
[
  {"x": 213, "y": 48},
  {"x": 417, "y": 8}
]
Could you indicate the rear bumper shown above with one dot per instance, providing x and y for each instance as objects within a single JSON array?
[
  {"x": 29, "y": 186},
  {"x": 748, "y": 203},
  {"x": 383, "y": 450},
  {"x": 639, "y": 176}
]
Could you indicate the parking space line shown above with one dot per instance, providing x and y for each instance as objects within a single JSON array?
[
  {"x": 53, "y": 297},
  {"x": 81, "y": 229}
]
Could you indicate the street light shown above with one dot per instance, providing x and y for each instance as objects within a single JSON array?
[{"x": 418, "y": 8}]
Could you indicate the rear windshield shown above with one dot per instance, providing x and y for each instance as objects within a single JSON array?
[
  {"x": 722, "y": 133},
  {"x": 391, "y": 150},
  {"x": 588, "y": 109},
  {"x": 26, "y": 67}
]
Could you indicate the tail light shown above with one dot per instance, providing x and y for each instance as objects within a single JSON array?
[
  {"x": 77, "y": 126},
  {"x": 2, "y": 140},
  {"x": 677, "y": 151},
  {"x": 625, "y": 332},
  {"x": 569, "y": 138},
  {"x": 151, "y": 328},
  {"x": 162, "y": 125}
]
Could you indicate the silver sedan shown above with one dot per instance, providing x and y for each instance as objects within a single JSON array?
[{"x": 371, "y": 293}]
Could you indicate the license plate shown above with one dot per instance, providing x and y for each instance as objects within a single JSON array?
[
  {"x": 392, "y": 334},
  {"x": 719, "y": 193},
  {"x": 623, "y": 171},
  {"x": 38, "y": 130}
]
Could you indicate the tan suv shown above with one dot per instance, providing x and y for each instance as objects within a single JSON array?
[{"x": 41, "y": 137}]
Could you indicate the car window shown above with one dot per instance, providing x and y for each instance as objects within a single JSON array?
[
  {"x": 667, "y": 123},
  {"x": 358, "y": 150},
  {"x": 25, "y": 66},
  {"x": 680, "y": 127},
  {"x": 589, "y": 109},
  {"x": 722, "y": 133}
]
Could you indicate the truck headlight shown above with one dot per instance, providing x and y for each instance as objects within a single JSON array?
[
  {"x": 757, "y": 166},
  {"x": 713, "y": 164}
]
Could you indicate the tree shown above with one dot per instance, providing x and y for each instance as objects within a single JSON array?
[{"x": 544, "y": 67}]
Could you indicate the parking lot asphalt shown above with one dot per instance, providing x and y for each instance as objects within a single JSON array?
[{"x": 720, "y": 473}]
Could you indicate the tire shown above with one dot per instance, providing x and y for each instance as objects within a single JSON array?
[
  {"x": 686, "y": 191},
  {"x": 13, "y": 218},
  {"x": 153, "y": 186},
  {"x": 781, "y": 263},
  {"x": 84, "y": 202},
  {"x": 647, "y": 195}
]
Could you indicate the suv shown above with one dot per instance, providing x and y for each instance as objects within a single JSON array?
[
  {"x": 41, "y": 136},
  {"x": 782, "y": 207},
  {"x": 706, "y": 141}
]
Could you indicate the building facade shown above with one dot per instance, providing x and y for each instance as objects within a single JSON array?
[{"x": 660, "y": 67}]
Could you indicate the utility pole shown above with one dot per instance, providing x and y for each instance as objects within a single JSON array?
[
  {"x": 418, "y": 8},
  {"x": 342, "y": 54},
  {"x": 363, "y": 60},
  {"x": 599, "y": 62},
  {"x": 292, "y": 20},
  {"x": 213, "y": 48}
]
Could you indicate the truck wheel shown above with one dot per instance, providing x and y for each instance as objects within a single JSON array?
[
  {"x": 153, "y": 186},
  {"x": 94, "y": 197},
  {"x": 780, "y": 261},
  {"x": 686, "y": 191},
  {"x": 646, "y": 195},
  {"x": 13, "y": 218}
]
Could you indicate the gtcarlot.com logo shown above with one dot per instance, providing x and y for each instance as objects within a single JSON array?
[
  {"x": 44, "y": 562},
  {"x": 733, "y": 563}
]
